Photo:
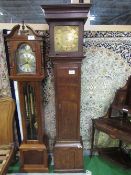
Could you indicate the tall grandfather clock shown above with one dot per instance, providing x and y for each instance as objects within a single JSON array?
[
  {"x": 27, "y": 68},
  {"x": 66, "y": 25}
]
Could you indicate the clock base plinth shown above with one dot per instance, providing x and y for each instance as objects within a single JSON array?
[
  {"x": 68, "y": 170},
  {"x": 68, "y": 156},
  {"x": 33, "y": 158},
  {"x": 33, "y": 169}
]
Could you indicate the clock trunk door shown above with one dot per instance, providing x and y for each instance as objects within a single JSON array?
[{"x": 67, "y": 103}]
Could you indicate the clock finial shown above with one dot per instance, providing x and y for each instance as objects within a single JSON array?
[{"x": 23, "y": 25}]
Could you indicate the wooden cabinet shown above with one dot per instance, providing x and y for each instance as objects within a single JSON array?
[
  {"x": 33, "y": 158},
  {"x": 70, "y": 158}
]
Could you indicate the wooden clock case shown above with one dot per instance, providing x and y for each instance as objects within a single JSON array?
[
  {"x": 68, "y": 148},
  {"x": 33, "y": 151}
]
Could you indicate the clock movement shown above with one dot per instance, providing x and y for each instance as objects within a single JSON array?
[
  {"x": 66, "y": 26},
  {"x": 27, "y": 68}
]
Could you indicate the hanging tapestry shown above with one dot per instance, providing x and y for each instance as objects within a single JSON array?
[
  {"x": 105, "y": 69},
  {"x": 4, "y": 80}
]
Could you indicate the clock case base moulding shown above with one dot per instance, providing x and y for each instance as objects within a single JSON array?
[{"x": 68, "y": 156}]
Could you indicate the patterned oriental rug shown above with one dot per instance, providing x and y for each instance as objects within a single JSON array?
[{"x": 105, "y": 68}]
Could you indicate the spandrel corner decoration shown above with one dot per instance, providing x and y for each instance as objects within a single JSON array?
[
  {"x": 27, "y": 68},
  {"x": 66, "y": 25}
]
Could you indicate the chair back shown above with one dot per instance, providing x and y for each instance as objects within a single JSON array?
[{"x": 7, "y": 108}]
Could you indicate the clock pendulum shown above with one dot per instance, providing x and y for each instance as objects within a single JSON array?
[
  {"x": 66, "y": 26},
  {"x": 27, "y": 68}
]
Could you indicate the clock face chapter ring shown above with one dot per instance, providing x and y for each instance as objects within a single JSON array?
[{"x": 25, "y": 58}]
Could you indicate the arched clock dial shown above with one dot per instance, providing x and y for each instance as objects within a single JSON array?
[{"x": 26, "y": 61}]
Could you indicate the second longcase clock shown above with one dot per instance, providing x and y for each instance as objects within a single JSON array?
[
  {"x": 27, "y": 68},
  {"x": 66, "y": 26}
]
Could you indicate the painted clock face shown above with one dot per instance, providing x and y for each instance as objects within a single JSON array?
[
  {"x": 26, "y": 61},
  {"x": 66, "y": 38}
]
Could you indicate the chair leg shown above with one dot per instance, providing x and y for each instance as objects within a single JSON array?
[{"x": 120, "y": 144}]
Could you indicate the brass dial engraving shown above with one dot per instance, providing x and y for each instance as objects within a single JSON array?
[{"x": 66, "y": 38}]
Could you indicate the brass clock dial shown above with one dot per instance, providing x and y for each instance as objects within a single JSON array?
[
  {"x": 66, "y": 38},
  {"x": 26, "y": 62}
]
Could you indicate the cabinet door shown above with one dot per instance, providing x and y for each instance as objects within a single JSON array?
[
  {"x": 68, "y": 158},
  {"x": 67, "y": 124},
  {"x": 65, "y": 159},
  {"x": 67, "y": 100}
]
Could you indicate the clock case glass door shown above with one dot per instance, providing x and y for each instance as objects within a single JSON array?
[
  {"x": 30, "y": 112},
  {"x": 25, "y": 58}
]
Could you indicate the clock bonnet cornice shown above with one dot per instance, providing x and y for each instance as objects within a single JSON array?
[
  {"x": 66, "y": 12},
  {"x": 68, "y": 147}
]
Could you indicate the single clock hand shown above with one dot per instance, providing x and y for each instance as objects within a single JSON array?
[{"x": 24, "y": 63}]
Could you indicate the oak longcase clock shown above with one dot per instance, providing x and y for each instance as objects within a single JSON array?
[
  {"x": 27, "y": 68},
  {"x": 66, "y": 25}
]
